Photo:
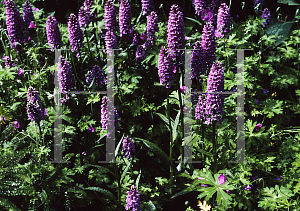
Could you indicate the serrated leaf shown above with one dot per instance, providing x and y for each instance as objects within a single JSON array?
[{"x": 103, "y": 191}]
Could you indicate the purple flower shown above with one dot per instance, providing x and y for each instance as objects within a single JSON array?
[
  {"x": 20, "y": 72},
  {"x": 176, "y": 31},
  {"x": 14, "y": 24},
  {"x": 83, "y": 153},
  {"x": 2, "y": 118},
  {"x": 266, "y": 15},
  {"x": 34, "y": 105},
  {"x": 136, "y": 39},
  {"x": 27, "y": 14},
  {"x": 215, "y": 101},
  {"x": 208, "y": 48},
  {"x": 87, "y": 7},
  {"x": 96, "y": 73},
  {"x": 104, "y": 115},
  {"x": 9, "y": 62},
  {"x": 203, "y": 185},
  {"x": 128, "y": 148},
  {"x": 201, "y": 107},
  {"x": 197, "y": 62},
  {"x": 45, "y": 112},
  {"x": 75, "y": 34},
  {"x": 223, "y": 21},
  {"x": 140, "y": 54},
  {"x": 143, "y": 36},
  {"x": 147, "y": 6},
  {"x": 152, "y": 27},
  {"x": 265, "y": 91},
  {"x": 258, "y": 126},
  {"x": 125, "y": 18},
  {"x": 36, "y": 9},
  {"x": 207, "y": 15},
  {"x": 199, "y": 4},
  {"x": 182, "y": 89},
  {"x": 222, "y": 179},
  {"x": 16, "y": 124},
  {"x": 83, "y": 18},
  {"x": 110, "y": 40},
  {"x": 256, "y": 101},
  {"x": 110, "y": 16},
  {"x": 65, "y": 76},
  {"x": 279, "y": 178},
  {"x": 31, "y": 26},
  {"x": 53, "y": 33},
  {"x": 165, "y": 67},
  {"x": 248, "y": 187},
  {"x": 133, "y": 199}
]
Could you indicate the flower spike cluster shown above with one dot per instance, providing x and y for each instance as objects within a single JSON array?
[
  {"x": 96, "y": 73},
  {"x": 110, "y": 40},
  {"x": 53, "y": 33},
  {"x": 104, "y": 115},
  {"x": 34, "y": 106},
  {"x": 83, "y": 18},
  {"x": 9, "y": 62},
  {"x": 223, "y": 21},
  {"x": 140, "y": 54},
  {"x": 27, "y": 14},
  {"x": 133, "y": 199},
  {"x": 196, "y": 62},
  {"x": 14, "y": 23},
  {"x": 165, "y": 67},
  {"x": 65, "y": 78},
  {"x": 147, "y": 6},
  {"x": 75, "y": 34},
  {"x": 128, "y": 148},
  {"x": 110, "y": 16},
  {"x": 125, "y": 18}
]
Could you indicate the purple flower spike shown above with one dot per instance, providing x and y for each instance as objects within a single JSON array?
[
  {"x": 140, "y": 54},
  {"x": 207, "y": 15},
  {"x": 208, "y": 46},
  {"x": 215, "y": 101},
  {"x": 201, "y": 107},
  {"x": 14, "y": 24},
  {"x": 16, "y": 124},
  {"x": 96, "y": 73},
  {"x": 125, "y": 19},
  {"x": 152, "y": 27},
  {"x": 65, "y": 78},
  {"x": 75, "y": 34},
  {"x": 165, "y": 67},
  {"x": 133, "y": 199},
  {"x": 223, "y": 21},
  {"x": 176, "y": 37},
  {"x": 20, "y": 73},
  {"x": 182, "y": 89},
  {"x": 258, "y": 126},
  {"x": 83, "y": 18},
  {"x": 34, "y": 105},
  {"x": 53, "y": 33},
  {"x": 279, "y": 178},
  {"x": 128, "y": 148},
  {"x": 110, "y": 16},
  {"x": 110, "y": 40},
  {"x": 266, "y": 15},
  {"x": 197, "y": 62},
  {"x": 104, "y": 115},
  {"x": 27, "y": 14},
  {"x": 147, "y": 6}
]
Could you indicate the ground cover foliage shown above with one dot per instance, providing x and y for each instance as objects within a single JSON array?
[{"x": 148, "y": 116}]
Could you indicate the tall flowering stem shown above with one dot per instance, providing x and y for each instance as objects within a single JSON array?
[
  {"x": 110, "y": 16},
  {"x": 147, "y": 6},
  {"x": 27, "y": 14},
  {"x": 223, "y": 21},
  {"x": 152, "y": 27}
]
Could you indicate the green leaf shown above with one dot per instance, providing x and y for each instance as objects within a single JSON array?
[
  {"x": 194, "y": 20},
  {"x": 126, "y": 169},
  {"x": 138, "y": 179},
  {"x": 165, "y": 119},
  {"x": 103, "y": 191},
  {"x": 102, "y": 169},
  {"x": 8, "y": 205},
  {"x": 118, "y": 146},
  {"x": 158, "y": 151},
  {"x": 289, "y": 2},
  {"x": 175, "y": 125}
]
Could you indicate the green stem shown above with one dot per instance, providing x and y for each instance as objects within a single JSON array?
[
  {"x": 171, "y": 144},
  {"x": 75, "y": 69},
  {"x": 181, "y": 109},
  {"x": 119, "y": 185},
  {"x": 215, "y": 166}
]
